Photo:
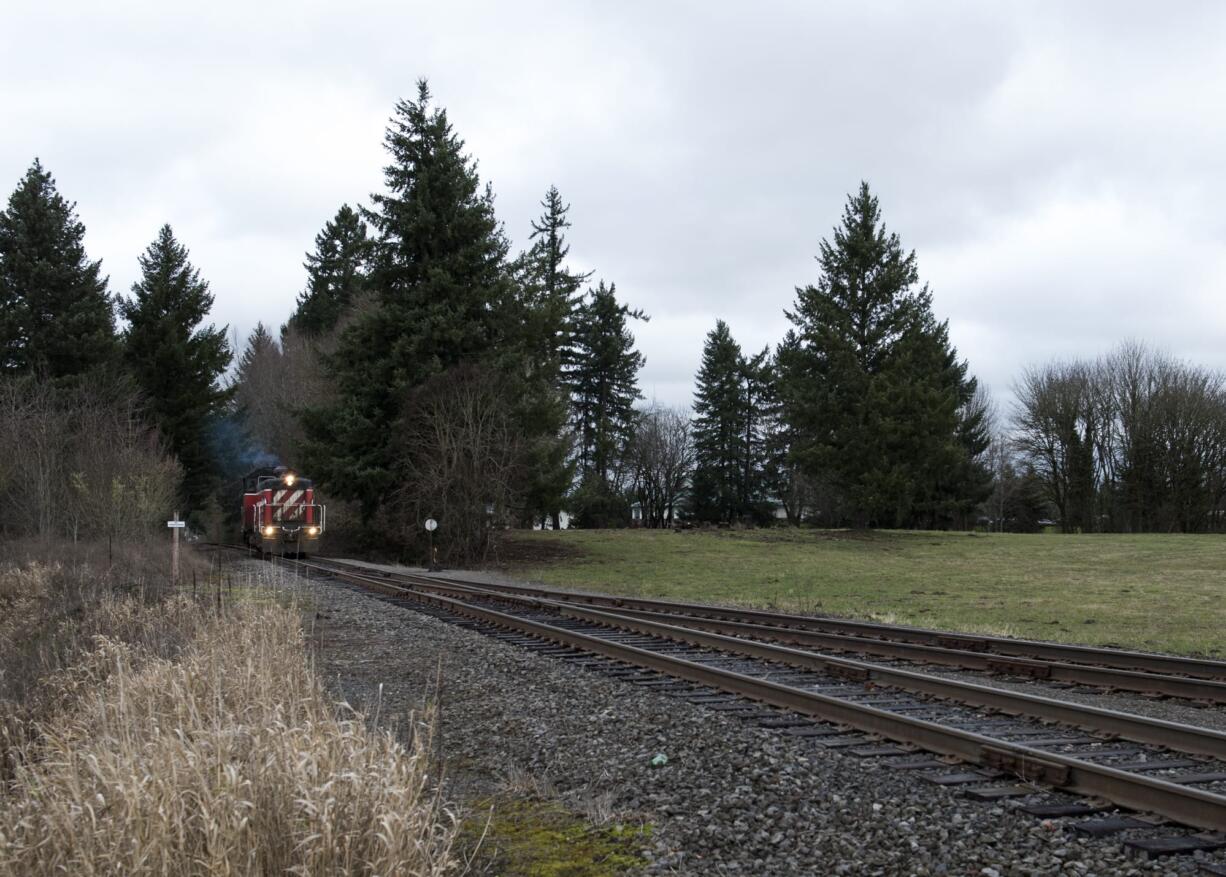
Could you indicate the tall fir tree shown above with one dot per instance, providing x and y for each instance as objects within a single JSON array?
[
  {"x": 175, "y": 359},
  {"x": 603, "y": 381},
  {"x": 732, "y": 407},
  {"x": 957, "y": 489},
  {"x": 874, "y": 389},
  {"x": 336, "y": 273},
  {"x": 718, "y": 419},
  {"x": 261, "y": 349},
  {"x": 442, "y": 286},
  {"x": 782, "y": 477},
  {"x": 757, "y": 404},
  {"x": 550, "y": 290},
  {"x": 56, "y": 317},
  {"x": 266, "y": 391},
  {"x": 547, "y": 296}
]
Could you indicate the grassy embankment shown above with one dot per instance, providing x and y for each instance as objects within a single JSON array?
[
  {"x": 144, "y": 732},
  {"x": 1163, "y": 592}
]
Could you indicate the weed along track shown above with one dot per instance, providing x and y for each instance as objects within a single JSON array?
[{"x": 1160, "y": 785}]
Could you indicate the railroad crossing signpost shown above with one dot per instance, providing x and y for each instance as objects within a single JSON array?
[
  {"x": 175, "y": 526},
  {"x": 431, "y": 526}
]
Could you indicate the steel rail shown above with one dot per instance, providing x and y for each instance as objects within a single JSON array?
[
  {"x": 1140, "y": 729},
  {"x": 1120, "y": 659},
  {"x": 1100, "y": 657},
  {"x": 1186, "y": 805},
  {"x": 1187, "y": 687},
  {"x": 1207, "y": 690}
]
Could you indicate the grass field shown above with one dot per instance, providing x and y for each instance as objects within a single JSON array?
[{"x": 1156, "y": 592}]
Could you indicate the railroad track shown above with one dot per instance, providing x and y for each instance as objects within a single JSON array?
[
  {"x": 994, "y": 743},
  {"x": 1147, "y": 673}
]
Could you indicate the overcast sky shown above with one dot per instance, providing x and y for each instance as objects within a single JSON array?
[{"x": 1060, "y": 169}]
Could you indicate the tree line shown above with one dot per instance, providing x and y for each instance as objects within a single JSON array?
[
  {"x": 102, "y": 431},
  {"x": 426, "y": 368},
  {"x": 1134, "y": 441},
  {"x": 429, "y": 371},
  {"x": 863, "y": 415}
]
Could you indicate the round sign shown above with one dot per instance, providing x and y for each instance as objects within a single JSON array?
[{"x": 431, "y": 524}]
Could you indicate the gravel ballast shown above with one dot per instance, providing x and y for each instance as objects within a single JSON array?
[{"x": 733, "y": 798}]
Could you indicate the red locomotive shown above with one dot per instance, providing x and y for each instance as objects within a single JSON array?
[{"x": 280, "y": 515}]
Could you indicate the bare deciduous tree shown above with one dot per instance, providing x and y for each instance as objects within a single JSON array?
[
  {"x": 1056, "y": 424},
  {"x": 462, "y": 461},
  {"x": 1134, "y": 441},
  {"x": 999, "y": 463},
  {"x": 662, "y": 461},
  {"x": 80, "y": 462}
]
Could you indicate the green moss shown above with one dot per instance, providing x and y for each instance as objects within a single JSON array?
[
  {"x": 531, "y": 838},
  {"x": 244, "y": 587}
]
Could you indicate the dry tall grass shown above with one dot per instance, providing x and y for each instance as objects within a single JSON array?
[
  {"x": 55, "y": 598},
  {"x": 226, "y": 759}
]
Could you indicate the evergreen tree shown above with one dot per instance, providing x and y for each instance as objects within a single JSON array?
[
  {"x": 547, "y": 297},
  {"x": 874, "y": 389},
  {"x": 442, "y": 287},
  {"x": 1023, "y": 506},
  {"x": 718, "y": 428},
  {"x": 56, "y": 316},
  {"x": 176, "y": 360},
  {"x": 782, "y": 476},
  {"x": 261, "y": 349},
  {"x": 259, "y": 403},
  {"x": 603, "y": 382},
  {"x": 968, "y": 482},
  {"x": 336, "y": 272},
  {"x": 550, "y": 291},
  {"x": 757, "y": 405}
]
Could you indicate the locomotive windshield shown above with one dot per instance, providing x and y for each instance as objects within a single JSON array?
[{"x": 273, "y": 477}]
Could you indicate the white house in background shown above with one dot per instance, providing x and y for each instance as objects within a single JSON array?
[
  {"x": 636, "y": 514},
  {"x": 563, "y": 522},
  {"x": 778, "y": 512}
]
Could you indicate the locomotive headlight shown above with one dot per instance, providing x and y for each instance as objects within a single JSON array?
[
  {"x": 268, "y": 531},
  {"x": 289, "y": 479},
  {"x": 312, "y": 531}
]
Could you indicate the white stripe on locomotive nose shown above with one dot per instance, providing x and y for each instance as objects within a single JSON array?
[{"x": 297, "y": 495}]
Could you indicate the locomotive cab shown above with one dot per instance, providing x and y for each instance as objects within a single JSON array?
[{"x": 280, "y": 515}]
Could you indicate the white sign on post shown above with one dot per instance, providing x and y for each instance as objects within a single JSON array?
[
  {"x": 431, "y": 526},
  {"x": 175, "y": 526}
]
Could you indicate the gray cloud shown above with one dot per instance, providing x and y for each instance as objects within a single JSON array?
[{"x": 1059, "y": 168}]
